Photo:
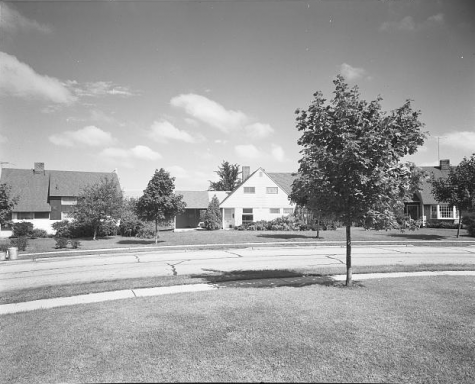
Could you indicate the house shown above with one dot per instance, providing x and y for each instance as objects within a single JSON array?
[
  {"x": 261, "y": 196},
  {"x": 47, "y": 196},
  {"x": 196, "y": 201},
  {"x": 424, "y": 206}
]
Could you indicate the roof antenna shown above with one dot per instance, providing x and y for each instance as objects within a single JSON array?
[{"x": 438, "y": 146}]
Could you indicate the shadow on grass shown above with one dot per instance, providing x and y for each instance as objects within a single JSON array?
[
  {"x": 267, "y": 279},
  {"x": 288, "y": 236},
  {"x": 414, "y": 236},
  {"x": 139, "y": 242}
]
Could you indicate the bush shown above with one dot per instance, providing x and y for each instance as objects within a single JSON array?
[
  {"x": 469, "y": 222},
  {"x": 441, "y": 224},
  {"x": 74, "y": 243},
  {"x": 61, "y": 242},
  {"x": 24, "y": 228},
  {"x": 39, "y": 233},
  {"x": 21, "y": 243},
  {"x": 147, "y": 231},
  {"x": 212, "y": 217}
]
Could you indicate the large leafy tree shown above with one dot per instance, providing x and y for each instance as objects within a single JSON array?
[
  {"x": 99, "y": 204},
  {"x": 228, "y": 177},
  {"x": 350, "y": 157},
  {"x": 458, "y": 189},
  {"x": 7, "y": 203},
  {"x": 159, "y": 202}
]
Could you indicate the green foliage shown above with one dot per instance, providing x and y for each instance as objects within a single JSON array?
[
  {"x": 75, "y": 229},
  {"x": 7, "y": 203},
  {"x": 212, "y": 217},
  {"x": 458, "y": 189},
  {"x": 350, "y": 157},
  {"x": 130, "y": 223},
  {"x": 23, "y": 228},
  {"x": 39, "y": 233},
  {"x": 444, "y": 224},
  {"x": 159, "y": 203},
  {"x": 61, "y": 242},
  {"x": 99, "y": 206},
  {"x": 4, "y": 246},
  {"x": 228, "y": 177},
  {"x": 288, "y": 223},
  {"x": 21, "y": 243},
  {"x": 74, "y": 243}
]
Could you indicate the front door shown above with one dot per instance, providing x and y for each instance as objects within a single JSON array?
[
  {"x": 412, "y": 210},
  {"x": 228, "y": 218}
]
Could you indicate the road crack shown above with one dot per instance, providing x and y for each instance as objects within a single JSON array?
[
  {"x": 334, "y": 258},
  {"x": 233, "y": 253},
  {"x": 172, "y": 266}
]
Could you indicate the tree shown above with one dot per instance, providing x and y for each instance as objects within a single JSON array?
[
  {"x": 350, "y": 157},
  {"x": 458, "y": 189},
  {"x": 228, "y": 177},
  {"x": 159, "y": 202},
  {"x": 7, "y": 203},
  {"x": 212, "y": 217},
  {"x": 98, "y": 204}
]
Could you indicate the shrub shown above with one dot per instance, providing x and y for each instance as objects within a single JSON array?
[
  {"x": 24, "y": 228},
  {"x": 62, "y": 228},
  {"x": 469, "y": 222},
  {"x": 4, "y": 247},
  {"x": 39, "y": 233},
  {"x": 21, "y": 243},
  {"x": 147, "y": 231},
  {"x": 212, "y": 217},
  {"x": 441, "y": 224},
  {"x": 75, "y": 243},
  {"x": 61, "y": 242}
]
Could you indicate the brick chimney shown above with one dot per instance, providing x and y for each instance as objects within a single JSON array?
[
  {"x": 246, "y": 172},
  {"x": 39, "y": 168},
  {"x": 445, "y": 165}
]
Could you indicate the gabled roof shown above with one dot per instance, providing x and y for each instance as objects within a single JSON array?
[
  {"x": 200, "y": 199},
  {"x": 284, "y": 180},
  {"x": 35, "y": 189},
  {"x": 425, "y": 193}
]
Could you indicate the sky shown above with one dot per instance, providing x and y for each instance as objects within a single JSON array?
[{"x": 135, "y": 86}]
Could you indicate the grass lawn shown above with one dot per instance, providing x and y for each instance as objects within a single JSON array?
[
  {"x": 409, "y": 330},
  {"x": 240, "y": 238}
]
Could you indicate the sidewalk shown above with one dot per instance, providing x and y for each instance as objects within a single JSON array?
[{"x": 157, "y": 291}]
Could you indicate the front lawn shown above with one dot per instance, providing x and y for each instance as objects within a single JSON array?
[
  {"x": 236, "y": 238},
  {"x": 404, "y": 330}
]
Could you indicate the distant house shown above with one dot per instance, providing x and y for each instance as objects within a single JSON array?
[
  {"x": 261, "y": 196},
  {"x": 196, "y": 201},
  {"x": 47, "y": 196},
  {"x": 424, "y": 206}
]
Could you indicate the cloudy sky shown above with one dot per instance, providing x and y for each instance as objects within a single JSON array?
[{"x": 183, "y": 85}]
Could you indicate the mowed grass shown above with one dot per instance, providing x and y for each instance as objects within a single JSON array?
[
  {"x": 409, "y": 330},
  {"x": 237, "y": 238}
]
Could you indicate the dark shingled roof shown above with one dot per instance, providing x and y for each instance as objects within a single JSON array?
[
  {"x": 426, "y": 195},
  {"x": 283, "y": 180},
  {"x": 194, "y": 199},
  {"x": 34, "y": 189}
]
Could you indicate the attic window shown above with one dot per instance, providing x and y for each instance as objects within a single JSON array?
[
  {"x": 69, "y": 200},
  {"x": 260, "y": 174},
  {"x": 272, "y": 190},
  {"x": 249, "y": 189}
]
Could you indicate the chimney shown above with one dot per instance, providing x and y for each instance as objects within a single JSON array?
[
  {"x": 445, "y": 165},
  {"x": 246, "y": 171},
  {"x": 39, "y": 168}
]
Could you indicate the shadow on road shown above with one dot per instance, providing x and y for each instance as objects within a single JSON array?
[{"x": 266, "y": 279}]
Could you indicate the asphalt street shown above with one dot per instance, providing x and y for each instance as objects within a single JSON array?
[{"x": 20, "y": 274}]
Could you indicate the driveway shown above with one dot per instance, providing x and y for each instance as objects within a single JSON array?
[{"x": 20, "y": 274}]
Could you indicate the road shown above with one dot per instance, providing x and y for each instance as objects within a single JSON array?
[{"x": 22, "y": 274}]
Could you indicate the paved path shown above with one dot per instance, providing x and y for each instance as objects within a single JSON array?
[{"x": 21, "y": 274}]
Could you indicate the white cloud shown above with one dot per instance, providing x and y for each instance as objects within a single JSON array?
[
  {"x": 191, "y": 122},
  {"x": 177, "y": 172},
  {"x": 99, "y": 89},
  {"x": 143, "y": 152},
  {"x": 20, "y": 80},
  {"x": 3, "y": 139},
  {"x": 278, "y": 153},
  {"x": 13, "y": 21},
  {"x": 464, "y": 140},
  {"x": 210, "y": 112},
  {"x": 351, "y": 73},
  {"x": 258, "y": 130},
  {"x": 89, "y": 135},
  {"x": 247, "y": 151},
  {"x": 408, "y": 24},
  {"x": 163, "y": 130}
]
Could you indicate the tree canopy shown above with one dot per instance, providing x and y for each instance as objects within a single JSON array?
[
  {"x": 350, "y": 157},
  {"x": 98, "y": 204},
  {"x": 159, "y": 202},
  {"x": 228, "y": 177},
  {"x": 458, "y": 189},
  {"x": 7, "y": 203},
  {"x": 212, "y": 216}
]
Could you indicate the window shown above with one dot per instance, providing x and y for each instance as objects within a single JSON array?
[
  {"x": 66, "y": 215},
  {"x": 446, "y": 211},
  {"x": 433, "y": 211},
  {"x": 288, "y": 211},
  {"x": 272, "y": 190},
  {"x": 41, "y": 215},
  {"x": 69, "y": 200},
  {"x": 274, "y": 210},
  {"x": 25, "y": 215},
  {"x": 249, "y": 189},
  {"x": 247, "y": 216}
]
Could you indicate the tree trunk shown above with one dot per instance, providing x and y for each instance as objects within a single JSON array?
[
  {"x": 318, "y": 226},
  {"x": 95, "y": 233},
  {"x": 460, "y": 223},
  {"x": 348, "y": 255},
  {"x": 156, "y": 231}
]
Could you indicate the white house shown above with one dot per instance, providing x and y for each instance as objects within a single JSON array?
[{"x": 262, "y": 196}]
